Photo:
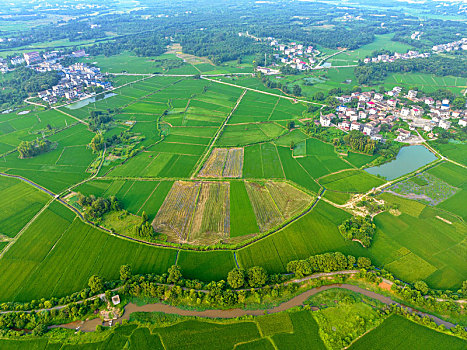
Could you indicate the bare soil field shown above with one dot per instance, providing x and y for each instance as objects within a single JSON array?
[{"x": 175, "y": 215}]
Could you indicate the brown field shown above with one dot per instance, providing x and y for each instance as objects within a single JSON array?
[
  {"x": 175, "y": 215},
  {"x": 176, "y": 49},
  {"x": 266, "y": 212},
  {"x": 288, "y": 199},
  {"x": 223, "y": 162},
  {"x": 214, "y": 166},
  {"x": 234, "y": 163},
  {"x": 211, "y": 220}
]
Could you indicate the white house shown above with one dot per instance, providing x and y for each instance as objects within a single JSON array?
[
  {"x": 412, "y": 94},
  {"x": 405, "y": 112},
  {"x": 355, "y": 126},
  {"x": 325, "y": 120},
  {"x": 463, "y": 122},
  {"x": 445, "y": 124}
]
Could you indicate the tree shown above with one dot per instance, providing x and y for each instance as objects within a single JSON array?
[
  {"x": 125, "y": 272},
  {"x": 318, "y": 96},
  {"x": 292, "y": 145},
  {"x": 236, "y": 278},
  {"x": 95, "y": 283},
  {"x": 144, "y": 217},
  {"x": 421, "y": 286},
  {"x": 97, "y": 143},
  {"x": 463, "y": 290},
  {"x": 39, "y": 330},
  {"x": 257, "y": 276},
  {"x": 459, "y": 103},
  {"x": 363, "y": 262},
  {"x": 174, "y": 274},
  {"x": 290, "y": 124},
  {"x": 297, "y": 90},
  {"x": 351, "y": 261}
]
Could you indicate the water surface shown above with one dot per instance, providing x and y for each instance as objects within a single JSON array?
[
  {"x": 89, "y": 100},
  {"x": 408, "y": 159}
]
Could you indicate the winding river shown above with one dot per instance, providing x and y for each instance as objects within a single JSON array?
[{"x": 90, "y": 325}]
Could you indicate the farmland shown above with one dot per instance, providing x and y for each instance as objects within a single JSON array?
[
  {"x": 208, "y": 175},
  {"x": 397, "y": 331},
  {"x": 223, "y": 163},
  {"x": 19, "y": 202}
]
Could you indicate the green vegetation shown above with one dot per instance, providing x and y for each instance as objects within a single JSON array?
[
  {"x": 396, "y": 331},
  {"x": 19, "y": 202},
  {"x": 358, "y": 229}
]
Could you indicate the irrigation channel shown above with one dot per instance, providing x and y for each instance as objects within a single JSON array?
[{"x": 299, "y": 300}]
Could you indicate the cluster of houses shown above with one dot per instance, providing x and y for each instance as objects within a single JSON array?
[
  {"x": 374, "y": 110},
  {"x": 397, "y": 56},
  {"x": 454, "y": 46},
  {"x": 296, "y": 55},
  {"x": 75, "y": 79},
  {"x": 35, "y": 58}
]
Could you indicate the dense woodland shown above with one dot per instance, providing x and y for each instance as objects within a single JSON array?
[
  {"x": 28, "y": 149},
  {"x": 23, "y": 81}
]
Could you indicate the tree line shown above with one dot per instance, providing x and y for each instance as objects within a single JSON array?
[{"x": 374, "y": 73}]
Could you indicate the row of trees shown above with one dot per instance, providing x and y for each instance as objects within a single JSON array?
[
  {"x": 327, "y": 262},
  {"x": 358, "y": 228},
  {"x": 374, "y": 73}
]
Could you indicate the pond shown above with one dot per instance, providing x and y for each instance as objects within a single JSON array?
[
  {"x": 89, "y": 100},
  {"x": 408, "y": 159}
]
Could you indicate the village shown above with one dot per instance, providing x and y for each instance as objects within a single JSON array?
[
  {"x": 77, "y": 79},
  {"x": 378, "y": 112},
  {"x": 449, "y": 47},
  {"x": 295, "y": 55}
]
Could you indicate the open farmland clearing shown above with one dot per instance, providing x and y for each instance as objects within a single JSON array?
[
  {"x": 223, "y": 162},
  {"x": 214, "y": 166},
  {"x": 175, "y": 216},
  {"x": 211, "y": 220},
  {"x": 19, "y": 202},
  {"x": 234, "y": 163},
  {"x": 266, "y": 211},
  {"x": 288, "y": 199}
]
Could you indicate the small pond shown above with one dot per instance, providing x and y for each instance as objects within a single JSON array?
[
  {"x": 89, "y": 100},
  {"x": 408, "y": 159}
]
